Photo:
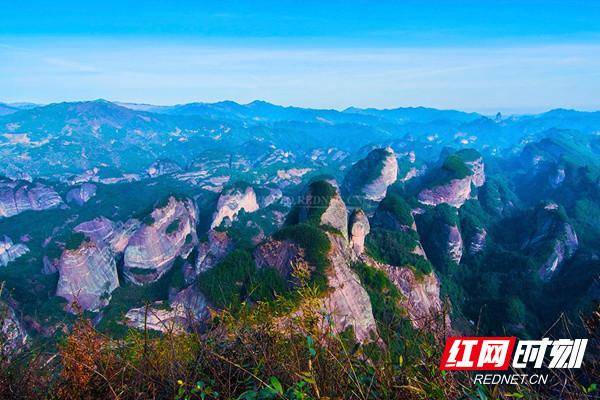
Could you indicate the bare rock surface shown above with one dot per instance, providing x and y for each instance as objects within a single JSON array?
[
  {"x": 347, "y": 301},
  {"x": 12, "y": 331},
  {"x": 81, "y": 194},
  {"x": 231, "y": 202},
  {"x": 421, "y": 295},
  {"x": 152, "y": 249},
  {"x": 10, "y": 251},
  {"x": 213, "y": 251},
  {"x": 359, "y": 229},
  {"x": 184, "y": 310},
  {"x": 370, "y": 177},
  {"x": 456, "y": 191},
  {"x": 19, "y": 196},
  {"x": 87, "y": 276},
  {"x": 280, "y": 255}
]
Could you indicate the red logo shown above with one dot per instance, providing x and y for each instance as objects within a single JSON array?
[{"x": 477, "y": 353}]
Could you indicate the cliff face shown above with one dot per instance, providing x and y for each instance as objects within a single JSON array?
[
  {"x": 347, "y": 302},
  {"x": 323, "y": 197},
  {"x": 281, "y": 255},
  {"x": 10, "y": 251},
  {"x": 456, "y": 191},
  {"x": 212, "y": 251},
  {"x": 231, "y": 202},
  {"x": 19, "y": 196},
  {"x": 105, "y": 232},
  {"x": 370, "y": 177},
  {"x": 169, "y": 233},
  {"x": 359, "y": 229},
  {"x": 477, "y": 241},
  {"x": 552, "y": 242},
  {"x": 421, "y": 296},
  {"x": 87, "y": 276}
]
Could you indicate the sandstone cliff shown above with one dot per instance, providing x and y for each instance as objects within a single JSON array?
[
  {"x": 19, "y": 196},
  {"x": 10, "y": 251},
  {"x": 169, "y": 232},
  {"x": 231, "y": 202},
  {"x": 370, "y": 177}
]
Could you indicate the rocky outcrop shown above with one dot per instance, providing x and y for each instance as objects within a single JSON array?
[
  {"x": 454, "y": 243},
  {"x": 12, "y": 332},
  {"x": 81, "y": 194},
  {"x": 282, "y": 255},
  {"x": 213, "y": 251},
  {"x": 169, "y": 232},
  {"x": 272, "y": 196},
  {"x": 421, "y": 296},
  {"x": 477, "y": 241},
  {"x": 552, "y": 242},
  {"x": 456, "y": 191},
  {"x": 19, "y": 196},
  {"x": 87, "y": 276},
  {"x": 323, "y": 199},
  {"x": 162, "y": 167},
  {"x": 105, "y": 232},
  {"x": 231, "y": 202},
  {"x": 10, "y": 251},
  {"x": 184, "y": 310},
  {"x": 370, "y": 177},
  {"x": 359, "y": 229},
  {"x": 347, "y": 302}
]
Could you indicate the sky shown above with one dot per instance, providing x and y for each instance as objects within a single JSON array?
[{"x": 486, "y": 56}]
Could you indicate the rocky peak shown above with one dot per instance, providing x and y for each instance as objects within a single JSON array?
[
  {"x": 169, "y": 232},
  {"x": 324, "y": 206},
  {"x": 370, "y": 177},
  {"x": 552, "y": 241},
  {"x": 232, "y": 201},
  {"x": 451, "y": 184},
  {"x": 359, "y": 229}
]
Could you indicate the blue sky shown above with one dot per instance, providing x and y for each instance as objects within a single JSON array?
[{"x": 513, "y": 56}]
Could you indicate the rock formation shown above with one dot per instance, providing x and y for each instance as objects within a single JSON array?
[
  {"x": 214, "y": 250},
  {"x": 359, "y": 229},
  {"x": 19, "y": 196},
  {"x": 162, "y": 167},
  {"x": 457, "y": 190},
  {"x": 323, "y": 199},
  {"x": 81, "y": 194},
  {"x": 10, "y": 251},
  {"x": 347, "y": 301},
  {"x": 231, "y": 202},
  {"x": 87, "y": 276},
  {"x": 421, "y": 296},
  {"x": 477, "y": 241},
  {"x": 553, "y": 241},
  {"x": 184, "y": 310},
  {"x": 281, "y": 255},
  {"x": 370, "y": 177},
  {"x": 169, "y": 232}
]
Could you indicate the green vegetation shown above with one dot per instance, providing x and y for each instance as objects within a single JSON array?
[
  {"x": 456, "y": 168},
  {"x": 236, "y": 280},
  {"x": 321, "y": 193},
  {"x": 399, "y": 208},
  {"x": 173, "y": 227},
  {"x": 74, "y": 241},
  {"x": 316, "y": 246},
  {"x": 396, "y": 248},
  {"x": 468, "y": 155}
]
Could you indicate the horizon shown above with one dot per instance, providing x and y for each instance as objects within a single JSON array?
[
  {"x": 465, "y": 55},
  {"x": 27, "y": 105}
]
